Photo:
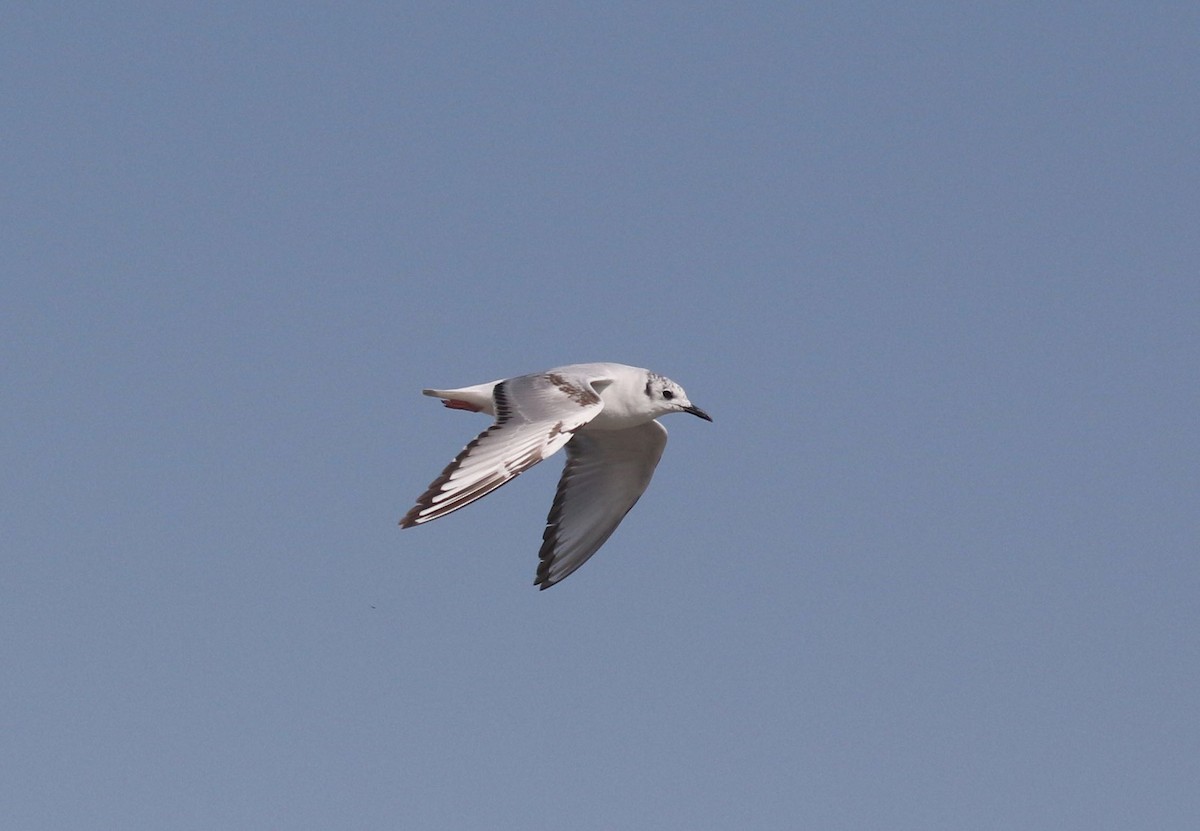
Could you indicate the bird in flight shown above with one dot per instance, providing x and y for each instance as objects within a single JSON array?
[{"x": 603, "y": 413}]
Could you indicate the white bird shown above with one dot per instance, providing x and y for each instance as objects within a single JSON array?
[{"x": 603, "y": 413}]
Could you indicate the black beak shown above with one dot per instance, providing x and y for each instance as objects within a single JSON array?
[{"x": 696, "y": 411}]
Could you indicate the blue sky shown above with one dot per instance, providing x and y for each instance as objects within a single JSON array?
[{"x": 932, "y": 270}]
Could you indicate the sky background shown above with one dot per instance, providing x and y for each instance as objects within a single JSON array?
[{"x": 932, "y": 268}]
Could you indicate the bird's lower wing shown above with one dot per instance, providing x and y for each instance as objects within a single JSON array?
[{"x": 607, "y": 471}]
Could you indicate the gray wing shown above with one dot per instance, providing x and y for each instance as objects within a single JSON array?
[
  {"x": 607, "y": 471},
  {"x": 535, "y": 416}
]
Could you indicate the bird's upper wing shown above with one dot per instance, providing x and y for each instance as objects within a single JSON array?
[
  {"x": 606, "y": 473},
  {"x": 535, "y": 416}
]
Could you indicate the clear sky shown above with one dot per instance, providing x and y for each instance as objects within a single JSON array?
[{"x": 932, "y": 268}]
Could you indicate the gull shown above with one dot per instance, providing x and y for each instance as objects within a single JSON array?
[{"x": 605, "y": 415}]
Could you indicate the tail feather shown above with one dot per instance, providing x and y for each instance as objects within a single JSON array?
[{"x": 477, "y": 398}]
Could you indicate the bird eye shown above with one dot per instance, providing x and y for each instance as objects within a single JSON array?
[{"x": 667, "y": 394}]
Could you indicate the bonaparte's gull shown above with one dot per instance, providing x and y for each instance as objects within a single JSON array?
[{"x": 604, "y": 414}]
